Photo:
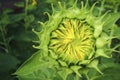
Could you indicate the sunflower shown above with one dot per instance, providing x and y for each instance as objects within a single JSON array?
[{"x": 73, "y": 39}]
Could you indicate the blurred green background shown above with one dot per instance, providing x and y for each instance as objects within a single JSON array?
[{"x": 17, "y": 19}]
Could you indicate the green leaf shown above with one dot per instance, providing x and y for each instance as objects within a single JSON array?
[
  {"x": 43, "y": 74},
  {"x": 5, "y": 20},
  {"x": 27, "y": 36},
  {"x": 110, "y": 73},
  {"x": 71, "y": 77},
  {"x": 7, "y": 10},
  {"x": 16, "y": 17},
  {"x": 111, "y": 19},
  {"x": 7, "y": 59},
  {"x": 19, "y": 4},
  {"x": 117, "y": 32},
  {"x": 94, "y": 65},
  {"x": 105, "y": 65},
  {"x": 51, "y": 1},
  {"x": 34, "y": 67},
  {"x": 113, "y": 1},
  {"x": 30, "y": 7},
  {"x": 30, "y": 18}
]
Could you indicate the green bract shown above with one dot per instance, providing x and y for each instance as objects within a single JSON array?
[
  {"x": 73, "y": 34},
  {"x": 71, "y": 41}
]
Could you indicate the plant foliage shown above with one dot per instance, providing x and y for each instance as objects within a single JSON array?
[{"x": 72, "y": 40}]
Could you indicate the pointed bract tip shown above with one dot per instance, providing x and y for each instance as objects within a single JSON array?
[
  {"x": 41, "y": 23},
  {"x": 75, "y": 4},
  {"x": 105, "y": 14},
  {"x": 60, "y": 5},
  {"x": 86, "y": 4},
  {"x": 52, "y": 6},
  {"x": 37, "y": 47},
  {"x": 93, "y": 6}
]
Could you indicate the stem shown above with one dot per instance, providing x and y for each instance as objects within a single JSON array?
[
  {"x": 26, "y": 6},
  {"x": 4, "y": 39},
  {"x": 116, "y": 8},
  {"x": 76, "y": 77},
  {"x": 87, "y": 77}
]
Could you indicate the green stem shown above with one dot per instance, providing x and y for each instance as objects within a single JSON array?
[
  {"x": 26, "y": 6},
  {"x": 76, "y": 77},
  {"x": 4, "y": 39},
  {"x": 87, "y": 77},
  {"x": 116, "y": 8}
]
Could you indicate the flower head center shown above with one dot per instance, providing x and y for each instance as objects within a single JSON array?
[{"x": 73, "y": 40}]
